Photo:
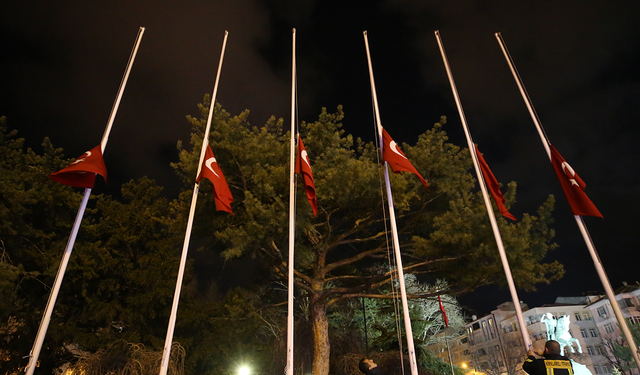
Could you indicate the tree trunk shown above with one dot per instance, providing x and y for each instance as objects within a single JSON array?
[{"x": 321, "y": 345}]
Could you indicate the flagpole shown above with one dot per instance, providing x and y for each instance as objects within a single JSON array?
[
  {"x": 394, "y": 229},
  {"x": 53, "y": 296},
  {"x": 292, "y": 218},
  {"x": 446, "y": 340},
  {"x": 166, "y": 351},
  {"x": 604, "y": 279},
  {"x": 125, "y": 78},
  {"x": 487, "y": 201}
]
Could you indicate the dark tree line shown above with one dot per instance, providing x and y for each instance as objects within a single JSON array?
[{"x": 120, "y": 282}]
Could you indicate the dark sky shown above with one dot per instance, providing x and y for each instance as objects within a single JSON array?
[{"x": 61, "y": 64}]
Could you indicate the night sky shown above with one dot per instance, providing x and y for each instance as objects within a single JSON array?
[{"x": 61, "y": 64}]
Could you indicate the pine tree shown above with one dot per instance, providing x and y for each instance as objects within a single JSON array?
[{"x": 341, "y": 254}]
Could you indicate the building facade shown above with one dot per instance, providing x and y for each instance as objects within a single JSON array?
[
  {"x": 493, "y": 345},
  {"x": 628, "y": 298}
]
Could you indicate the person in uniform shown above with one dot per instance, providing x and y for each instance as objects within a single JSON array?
[{"x": 552, "y": 362}]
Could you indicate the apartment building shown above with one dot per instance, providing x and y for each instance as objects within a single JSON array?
[
  {"x": 493, "y": 344},
  {"x": 628, "y": 298}
]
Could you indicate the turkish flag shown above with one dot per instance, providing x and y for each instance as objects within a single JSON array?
[
  {"x": 211, "y": 171},
  {"x": 82, "y": 172},
  {"x": 444, "y": 314},
  {"x": 304, "y": 167},
  {"x": 573, "y": 186},
  {"x": 396, "y": 159},
  {"x": 494, "y": 186}
]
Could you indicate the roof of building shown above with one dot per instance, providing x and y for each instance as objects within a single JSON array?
[{"x": 623, "y": 289}]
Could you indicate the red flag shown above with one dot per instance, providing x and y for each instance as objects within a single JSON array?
[
  {"x": 573, "y": 186},
  {"x": 494, "y": 186},
  {"x": 211, "y": 171},
  {"x": 396, "y": 159},
  {"x": 444, "y": 314},
  {"x": 304, "y": 167},
  {"x": 82, "y": 172}
]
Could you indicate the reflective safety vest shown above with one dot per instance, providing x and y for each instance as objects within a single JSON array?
[{"x": 558, "y": 367}]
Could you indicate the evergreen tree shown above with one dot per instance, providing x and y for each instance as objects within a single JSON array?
[
  {"x": 36, "y": 215},
  {"x": 444, "y": 232},
  {"x": 119, "y": 285}
]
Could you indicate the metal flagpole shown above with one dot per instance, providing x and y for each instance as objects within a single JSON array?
[
  {"x": 394, "y": 229},
  {"x": 292, "y": 217},
  {"x": 44, "y": 323},
  {"x": 446, "y": 340},
  {"x": 166, "y": 351},
  {"x": 604, "y": 279},
  {"x": 487, "y": 201}
]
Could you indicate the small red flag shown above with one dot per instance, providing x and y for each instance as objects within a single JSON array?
[
  {"x": 82, "y": 172},
  {"x": 304, "y": 167},
  {"x": 573, "y": 186},
  {"x": 211, "y": 171},
  {"x": 396, "y": 159},
  {"x": 444, "y": 314},
  {"x": 494, "y": 186}
]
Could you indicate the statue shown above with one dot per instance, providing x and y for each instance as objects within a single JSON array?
[
  {"x": 564, "y": 337},
  {"x": 558, "y": 329},
  {"x": 550, "y": 322}
]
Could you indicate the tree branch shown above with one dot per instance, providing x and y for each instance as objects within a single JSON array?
[
  {"x": 330, "y": 267},
  {"x": 357, "y": 240}
]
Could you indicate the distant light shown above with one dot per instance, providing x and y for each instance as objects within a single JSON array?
[
  {"x": 464, "y": 365},
  {"x": 244, "y": 370}
]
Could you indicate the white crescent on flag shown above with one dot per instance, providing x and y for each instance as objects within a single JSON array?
[
  {"x": 208, "y": 164},
  {"x": 566, "y": 168},
  {"x": 305, "y": 157},
  {"x": 394, "y": 147},
  {"x": 81, "y": 158}
]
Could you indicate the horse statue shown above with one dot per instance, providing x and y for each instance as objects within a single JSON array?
[{"x": 563, "y": 337}]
